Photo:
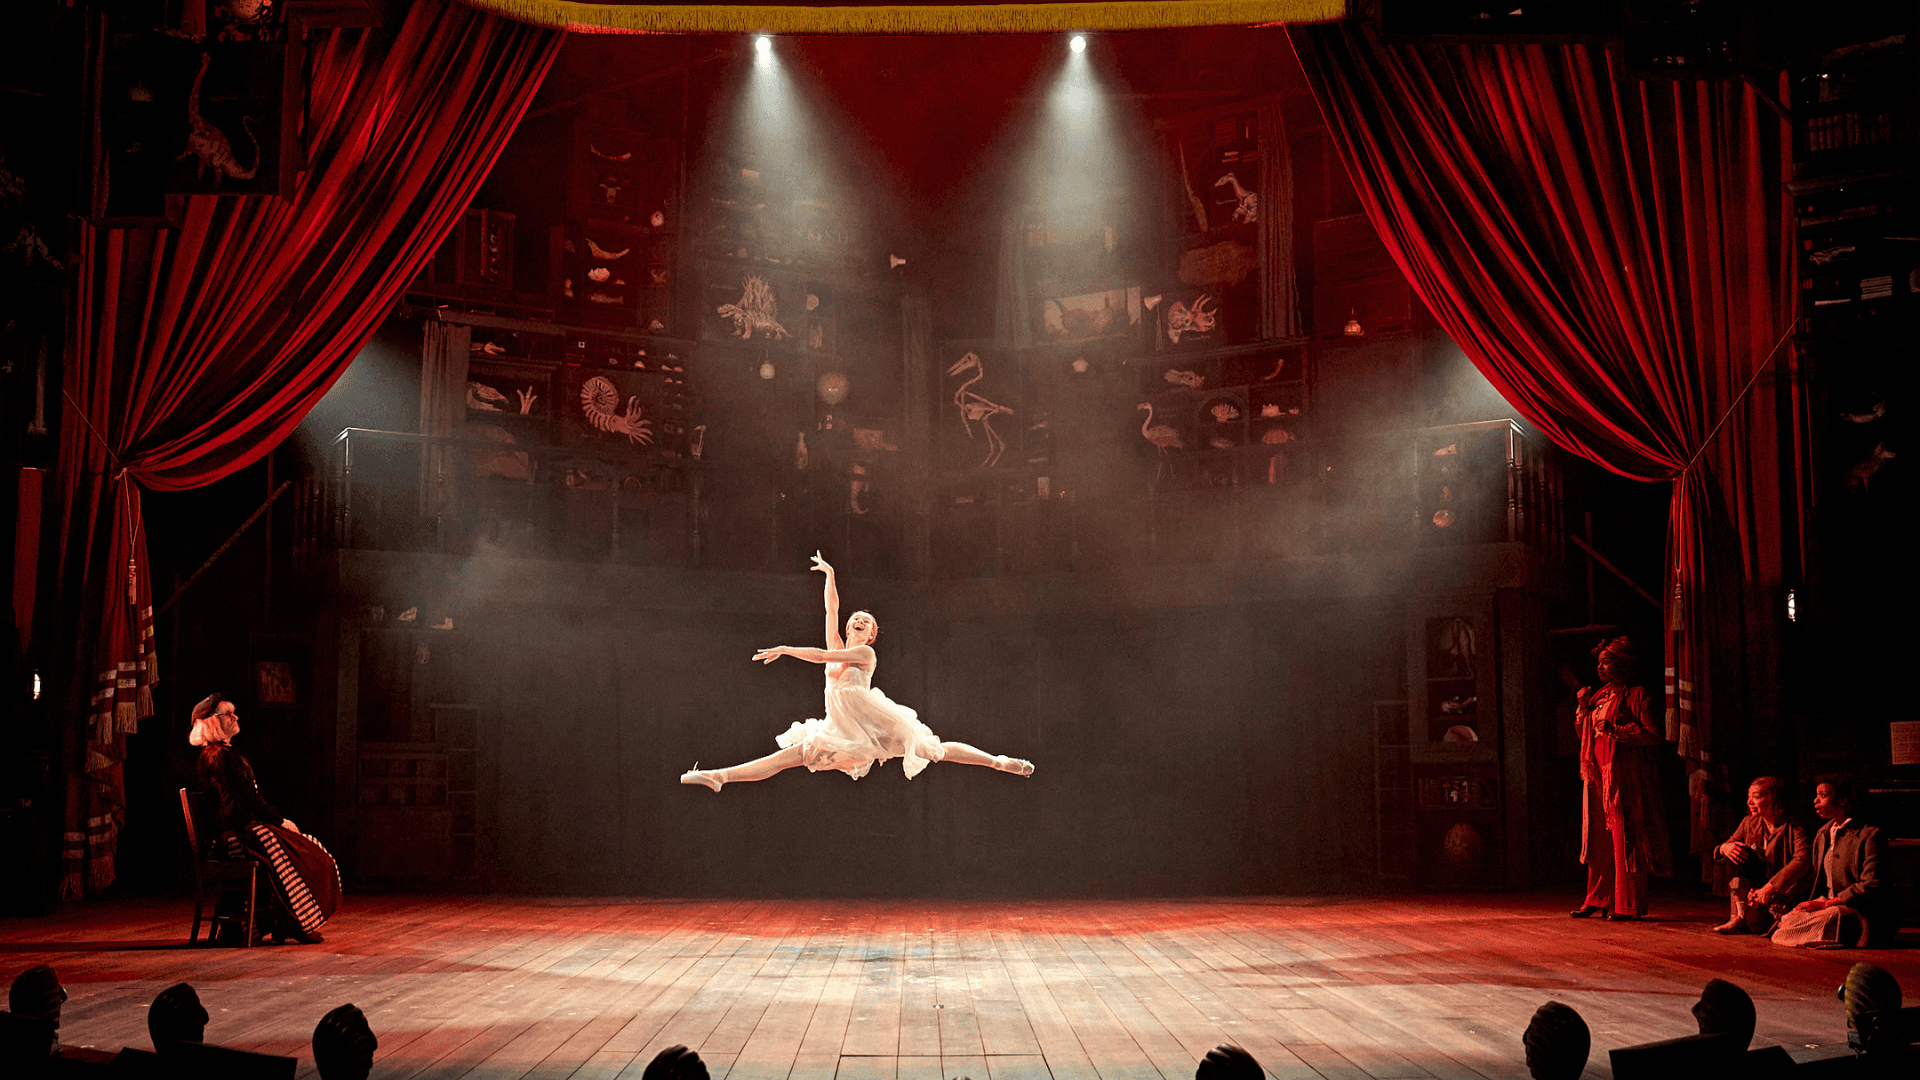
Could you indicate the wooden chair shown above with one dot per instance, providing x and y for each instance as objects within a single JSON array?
[{"x": 215, "y": 878}]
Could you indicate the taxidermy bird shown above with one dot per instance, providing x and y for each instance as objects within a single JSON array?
[{"x": 1160, "y": 435}]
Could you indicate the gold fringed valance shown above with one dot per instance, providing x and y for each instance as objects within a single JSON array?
[{"x": 908, "y": 18}]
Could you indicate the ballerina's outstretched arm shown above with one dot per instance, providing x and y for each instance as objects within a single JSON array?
[
  {"x": 833, "y": 603},
  {"x": 862, "y": 655}
]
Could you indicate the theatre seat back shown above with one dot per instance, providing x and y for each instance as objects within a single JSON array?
[{"x": 1690, "y": 1057}]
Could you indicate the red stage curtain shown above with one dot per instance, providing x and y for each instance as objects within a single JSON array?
[
  {"x": 1610, "y": 253},
  {"x": 198, "y": 348}
]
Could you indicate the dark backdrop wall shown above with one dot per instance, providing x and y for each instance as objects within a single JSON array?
[{"x": 1191, "y": 735}]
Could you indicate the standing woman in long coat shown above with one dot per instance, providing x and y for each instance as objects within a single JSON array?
[{"x": 1624, "y": 838}]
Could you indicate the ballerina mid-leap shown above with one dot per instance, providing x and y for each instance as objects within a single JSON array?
[{"x": 862, "y": 725}]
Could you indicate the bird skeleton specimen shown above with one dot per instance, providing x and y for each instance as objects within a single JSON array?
[{"x": 974, "y": 407}]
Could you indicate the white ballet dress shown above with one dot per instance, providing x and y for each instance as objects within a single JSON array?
[{"x": 862, "y": 726}]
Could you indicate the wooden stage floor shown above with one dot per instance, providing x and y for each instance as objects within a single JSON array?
[{"x": 494, "y": 988}]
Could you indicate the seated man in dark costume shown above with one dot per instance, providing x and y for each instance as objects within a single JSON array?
[{"x": 300, "y": 881}]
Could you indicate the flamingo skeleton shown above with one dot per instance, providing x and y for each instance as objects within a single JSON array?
[{"x": 973, "y": 407}]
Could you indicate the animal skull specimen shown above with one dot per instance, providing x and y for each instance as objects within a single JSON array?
[
  {"x": 1196, "y": 320},
  {"x": 484, "y": 398}
]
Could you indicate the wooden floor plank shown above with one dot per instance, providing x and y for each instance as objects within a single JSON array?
[
  {"x": 953, "y": 996},
  {"x": 868, "y": 1067},
  {"x": 1017, "y": 1067},
  {"x": 1100, "y": 962},
  {"x": 919, "y": 1019},
  {"x": 826, "y": 1033},
  {"x": 919, "y": 1067},
  {"x": 873, "y": 1028},
  {"x": 1004, "y": 1028},
  {"x": 774, "y": 1048},
  {"x": 499, "y": 988},
  {"x": 1059, "y": 1044}
]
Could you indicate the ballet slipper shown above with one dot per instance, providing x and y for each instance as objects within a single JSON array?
[
  {"x": 709, "y": 779},
  {"x": 1014, "y": 765}
]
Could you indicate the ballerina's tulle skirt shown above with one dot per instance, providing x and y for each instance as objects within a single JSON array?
[{"x": 863, "y": 726}]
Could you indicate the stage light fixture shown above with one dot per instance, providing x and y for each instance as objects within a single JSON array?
[
  {"x": 1793, "y": 606},
  {"x": 1353, "y": 327},
  {"x": 763, "y": 45},
  {"x": 1078, "y": 44}
]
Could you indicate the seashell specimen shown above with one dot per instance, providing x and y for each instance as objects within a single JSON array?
[{"x": 598, "y": 402}]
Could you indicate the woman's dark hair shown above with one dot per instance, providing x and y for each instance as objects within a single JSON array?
[{"x": 1844, "y": 788}]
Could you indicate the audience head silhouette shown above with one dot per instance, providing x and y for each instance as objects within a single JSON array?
[
  {"x": 1228, "y": 1062},
  {"x": 1872, "y": 997},
  {"x": 1869, "y": 989},
  {"x": 37, "y": 992},
  {"x": 1725, "y": 1009},
  {"x": 675, "y": 1063},
  {"x": 176, "y": 1017},
  {"x": 343, "y": 1045},
  {"x": 1557, "y": 1041}
]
